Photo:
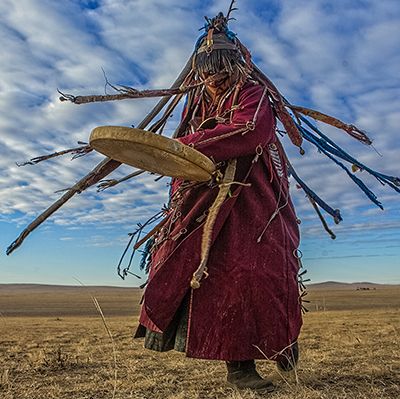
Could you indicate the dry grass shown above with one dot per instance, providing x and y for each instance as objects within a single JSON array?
[{"x": 349, "y": 353}]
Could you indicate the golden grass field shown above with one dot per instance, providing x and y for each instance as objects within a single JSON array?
[{"x": 55, "y": 344}]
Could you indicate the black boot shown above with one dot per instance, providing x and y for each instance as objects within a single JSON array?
[
  {"x": 243, "y": 374},
  {"x": 287, "y": 360}
]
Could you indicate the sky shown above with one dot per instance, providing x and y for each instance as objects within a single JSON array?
[{"x": 340, "y": 57}]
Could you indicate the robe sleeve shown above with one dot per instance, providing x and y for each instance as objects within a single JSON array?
[{"x": 252, "y": 125}]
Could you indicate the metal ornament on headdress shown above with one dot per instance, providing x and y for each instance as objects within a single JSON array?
[{"x": 217, "y": 41}]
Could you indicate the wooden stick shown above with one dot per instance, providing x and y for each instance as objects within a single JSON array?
[
  {"x": 121, "y": 96},
  {"x": 105, "y": 184},
  {"x": 103, "y": 169}
]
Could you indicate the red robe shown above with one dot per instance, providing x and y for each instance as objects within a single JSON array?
[{"x": 249, "y": 306}]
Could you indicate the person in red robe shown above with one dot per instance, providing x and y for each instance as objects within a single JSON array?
[{"x": 248, "y": 304}]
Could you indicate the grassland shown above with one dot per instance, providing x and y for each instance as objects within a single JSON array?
[{"x": 54, "y": 344}]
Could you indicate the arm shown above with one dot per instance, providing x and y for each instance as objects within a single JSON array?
[{"x": 252, "y": 125}]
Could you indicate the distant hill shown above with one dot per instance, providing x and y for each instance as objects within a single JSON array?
[
  {"x": 336, "y": 285},
  {"x": 327, "y": 285},
  {"x": 59, "y": 288}
]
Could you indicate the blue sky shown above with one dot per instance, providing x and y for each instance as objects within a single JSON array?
[{"x": 340, "y": 57}]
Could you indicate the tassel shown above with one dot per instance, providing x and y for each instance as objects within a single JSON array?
[
  {"x": 335, "y": 213},
  {"x": 322, "y": 219},
  {"x": 333, "y": 148},
  {"x": 145, "y": 261},
  {"x": 330, "y": 120}
]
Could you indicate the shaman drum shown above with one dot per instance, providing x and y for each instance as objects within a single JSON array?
[{"x": 151, "y": 152}]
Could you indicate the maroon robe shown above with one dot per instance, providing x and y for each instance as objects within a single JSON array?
[{"x": 248, "y": 307}]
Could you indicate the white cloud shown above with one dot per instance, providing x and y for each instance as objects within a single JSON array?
[{"x": 340, "y": 58}]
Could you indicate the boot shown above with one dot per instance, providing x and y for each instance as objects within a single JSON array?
[
  {"x": 287, "y": 360},
  {"x": 243, "y": 374}
]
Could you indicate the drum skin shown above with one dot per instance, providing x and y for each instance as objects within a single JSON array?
[{"x": 151, "y": 152}]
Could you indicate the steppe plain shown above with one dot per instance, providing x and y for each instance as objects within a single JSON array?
[{"x": 55, "y": 343}]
